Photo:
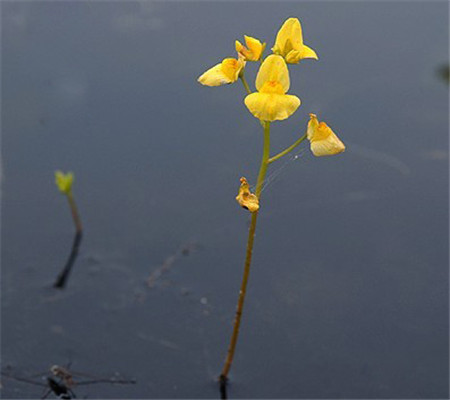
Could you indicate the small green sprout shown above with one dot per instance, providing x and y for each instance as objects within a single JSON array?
[{"x": 64, "y": 181}]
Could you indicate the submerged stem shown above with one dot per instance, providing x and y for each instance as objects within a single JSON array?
[
  {"x": 62, "y": 278},
  {"x": 248, "y": 258}
]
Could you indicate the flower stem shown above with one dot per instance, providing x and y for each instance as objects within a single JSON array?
[
  {"x": 248, "y": 258},
  {"x": 244, "y": 82},
  {"x": 75, "y": 215},
  {"x": 265, "y": 159},
  {"x": 289, "y": 149}
]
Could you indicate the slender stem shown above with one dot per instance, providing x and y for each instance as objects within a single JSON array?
[
  {"x": 244, "y": 82},
  {"x": 75, "y": 215},
  {"x": 289, "y": 149},
  {"x": 248, "y": 258},
  {"x": 64, "y": 274},
  {"x": 264, "y": 161}
]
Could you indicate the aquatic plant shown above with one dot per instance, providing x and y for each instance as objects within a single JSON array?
[
  {"x": 64, "y": 182},
  {"x": 271, "y": 102}
]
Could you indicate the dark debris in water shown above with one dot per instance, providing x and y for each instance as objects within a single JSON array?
[
  {"x": 443, "y": 72},
  {"x": 183, "y": 251}
]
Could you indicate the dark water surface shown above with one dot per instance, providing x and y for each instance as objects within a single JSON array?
[{"x": 348, "y": 294}]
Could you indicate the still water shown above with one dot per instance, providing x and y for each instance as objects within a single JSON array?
[{"x": 348, "y": 294}]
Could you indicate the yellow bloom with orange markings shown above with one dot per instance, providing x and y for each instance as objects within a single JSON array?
[
  {"x": 289, "y": 42},
  {"x": 245, "y": 198},
  {"x": 324, "y": 141},
  {"x": 271, "y": 103},
  {"x": 223, "y": 73},
  {"x": 254, "y": 49}
]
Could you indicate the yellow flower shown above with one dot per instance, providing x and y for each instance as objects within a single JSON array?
[
  {"x": 289, "y": 43},
  {"x": 254, "y": 49},
  {"x": 225, "y": 72},
  {"x": 245, "y": 198},
  {"x": 271, "y": 102},
  {"x": 324, "y": 141},
  {"x": 64, "y": 181}
]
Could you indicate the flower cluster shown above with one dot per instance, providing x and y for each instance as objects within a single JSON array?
[{"x": 271, "y": 101}]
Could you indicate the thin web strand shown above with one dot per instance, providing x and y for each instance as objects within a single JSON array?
[{"x": 278, "y": 171}]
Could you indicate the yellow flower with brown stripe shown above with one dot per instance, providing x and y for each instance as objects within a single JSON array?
[
  {"x": 271, "y": 103},
  {"x": 223, "y": 73},
  {"x": 324, "y": 141}
]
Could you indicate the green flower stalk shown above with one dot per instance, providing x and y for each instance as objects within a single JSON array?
[{"x": 64, "y": 183}]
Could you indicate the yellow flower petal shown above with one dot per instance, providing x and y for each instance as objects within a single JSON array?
[
  {"x": 240, "y": 48},
  {"x": 313, "y": 124},
  {"x": 293, "y": 57},
  {"x": 271, "y": 107},
  {"x": 272, "y": 87},
  {"x": 254, "y": 49},
  {"x": 232, "y": 67},
  {"x": 324, "y": 141},
  {"x": 225, "y": 72},
  {"x": 273, "y": 69},
  {"x": 245, "y": 198},
  {"x": 308, "y": 52},
  {"x": 272, "y": 82},
  {"x": 214, "y": 77},
  {"x": 289, "y": 37},
  {"x": 289, "y": 42}
]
